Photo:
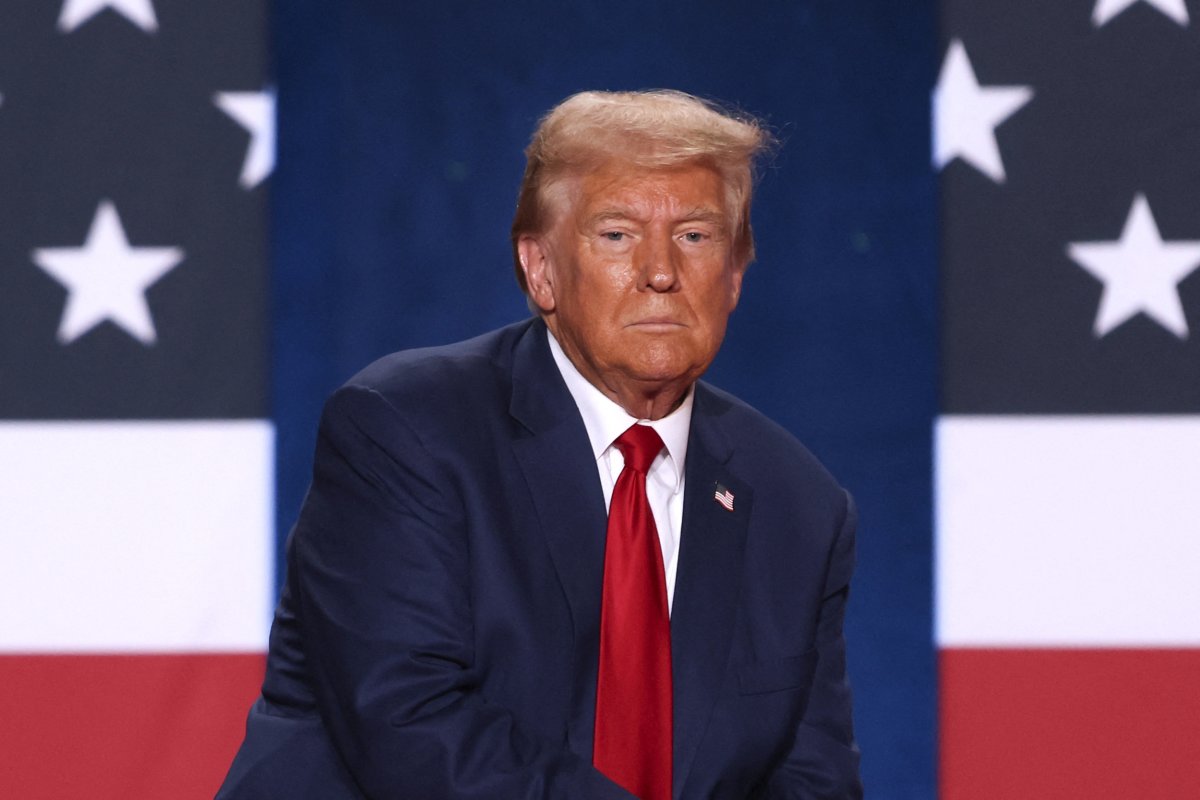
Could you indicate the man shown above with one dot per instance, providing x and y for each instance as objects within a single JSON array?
[{"x": 548, "y": 562}]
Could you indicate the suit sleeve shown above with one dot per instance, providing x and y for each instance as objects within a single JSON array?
[
  {"x": 379, "y": 566},
  {"x": 823, "y": 763}
]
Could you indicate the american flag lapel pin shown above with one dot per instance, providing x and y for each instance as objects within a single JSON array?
[{"x": 724, "y": 497}]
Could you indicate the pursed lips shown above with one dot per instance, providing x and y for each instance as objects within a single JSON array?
[{"x": 656, "y": 322}]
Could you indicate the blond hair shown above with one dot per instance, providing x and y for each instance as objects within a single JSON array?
[{"x": 656, "y": 129}]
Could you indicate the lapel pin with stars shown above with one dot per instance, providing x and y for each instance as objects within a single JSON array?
[{"x": 724, "y": 497}]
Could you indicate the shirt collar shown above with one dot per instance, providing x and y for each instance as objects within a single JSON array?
[{"x": 605, "y": 420}]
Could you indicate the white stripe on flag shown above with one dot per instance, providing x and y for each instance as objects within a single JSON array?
[
  {"x": 136, "y": 536},
  {"x": 1068, "y": 531}
]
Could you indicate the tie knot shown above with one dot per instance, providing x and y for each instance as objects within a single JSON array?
[{"x": 639, "y": 444}]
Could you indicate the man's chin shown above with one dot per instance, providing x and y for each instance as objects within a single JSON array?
[{"x": 664, "y": 377}]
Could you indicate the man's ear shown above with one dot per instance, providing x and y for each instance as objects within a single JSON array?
[
  {"x": 735, "y": 285},
  {"x": 539, "y": 272}
]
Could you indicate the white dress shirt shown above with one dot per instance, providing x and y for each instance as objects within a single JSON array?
[{"x": 605, "y": 421}]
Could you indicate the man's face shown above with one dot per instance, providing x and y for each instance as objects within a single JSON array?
[{"x": 637, "y": 278}]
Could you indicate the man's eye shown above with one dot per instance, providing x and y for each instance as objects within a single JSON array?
[
  {"x": 693, "y": 236},
  {"x": 613, "y": 236}
]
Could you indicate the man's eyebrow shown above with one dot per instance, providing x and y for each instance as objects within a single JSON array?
[
  {"x": 704, "y": 215},
  {"x": 699, "y": 214},
  {"x": 610, "y": 215}
]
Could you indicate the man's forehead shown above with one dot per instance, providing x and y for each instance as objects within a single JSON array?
[{"x": 626, "y": 189}]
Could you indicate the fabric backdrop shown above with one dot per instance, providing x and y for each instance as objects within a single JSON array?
[
  {"x": 136, "y": 448},
  {"x": 401, "y": 131},
  {"x": 1068, "y": 445},
  {"x": 173, "y": 312}
]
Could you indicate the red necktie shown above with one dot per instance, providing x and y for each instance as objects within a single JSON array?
[{"x": 632, "y": 743}]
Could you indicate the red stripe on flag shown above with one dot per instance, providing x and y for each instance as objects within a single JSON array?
[
  {"x": 122, "y": 726},
  {"x": 1070, "y": 724}
]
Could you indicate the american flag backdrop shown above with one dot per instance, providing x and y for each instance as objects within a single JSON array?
[
  {"x": 1068, "y": 447},
  {"x": 137, "y": 468},
  {"x": 138, "y": 535},
  {"x": 136, "y": 453}
]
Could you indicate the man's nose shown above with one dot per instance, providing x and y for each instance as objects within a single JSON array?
[{"x": 658, "y": 263}]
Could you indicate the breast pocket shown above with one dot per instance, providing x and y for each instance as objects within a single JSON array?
[{"x": 777, "y": 675}]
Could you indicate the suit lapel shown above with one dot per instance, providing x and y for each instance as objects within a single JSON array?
[
  {"x": 555, "y": 459},
  {"x": 708, "y": 580}
]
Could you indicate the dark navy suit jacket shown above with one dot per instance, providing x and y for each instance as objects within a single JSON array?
[{"x": 437, "y": 635}]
